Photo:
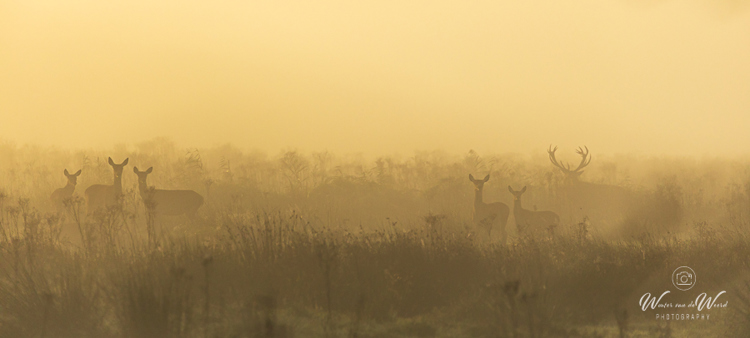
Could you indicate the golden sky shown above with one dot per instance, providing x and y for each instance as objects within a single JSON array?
[{"x": 652, "y": 77}]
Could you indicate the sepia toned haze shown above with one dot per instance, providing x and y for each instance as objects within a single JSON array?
[
  {"x": 651, "y": 77},
  {"x": 374, "y": 168}
]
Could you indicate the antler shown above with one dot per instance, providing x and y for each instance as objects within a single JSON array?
[
  {"x": 566, "y": 167},
  {"x": 583, "y": 154},
  {"x": 552, "y": 159}
]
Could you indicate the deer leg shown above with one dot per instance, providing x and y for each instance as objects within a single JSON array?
[
  {"x": 503, "y": 234},
  {"x": 520, "y": 228}
]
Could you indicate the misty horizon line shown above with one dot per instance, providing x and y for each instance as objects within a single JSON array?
[{"x": 565, "y": 150}]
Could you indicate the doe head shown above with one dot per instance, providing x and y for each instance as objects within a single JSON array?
[
  {"x": 72, "y": 178},
  {"x": 517, "y": 194},
  {"x": 118, "y": 167},
  {"x": 478, "y": 184},
  {"x": 142, "y": 175}
]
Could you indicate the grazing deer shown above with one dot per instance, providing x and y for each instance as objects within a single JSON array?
[
  {"x": 59, "y": 195},
  {"x": 530, "y": 221},
  {"x": 486, "y": 215},
  {"x": 168, "y": 202},
  {"x": 102, "y": 195}
]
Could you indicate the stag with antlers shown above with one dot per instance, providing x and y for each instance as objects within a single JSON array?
[
  {"x": 603, "y": 202},
  {"x": 571, "y": 176}
]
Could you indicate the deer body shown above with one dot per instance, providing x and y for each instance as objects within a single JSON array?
[
  {"x": 59, "y": 195},
  {"x": 530, "y": 221},
  {"x": 168, "y": 202},
  {"x": 611, "y": 204},
  {"x": 102, "y": 195},
  {"x": 487, "y": 215},
  {"x": 602, "y": 202}
]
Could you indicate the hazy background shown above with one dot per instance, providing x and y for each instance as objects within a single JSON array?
[{"x": 379, "y": 76}]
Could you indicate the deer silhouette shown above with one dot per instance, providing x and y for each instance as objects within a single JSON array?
[
  {"x": 167, "y": 202},
  {"x": 489, "y": 215},
  {"x": 102, "y": 195},
  {"x": 59, "y": 195}
]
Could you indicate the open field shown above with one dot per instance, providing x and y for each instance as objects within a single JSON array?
[
  {"x": 233, "y": 169},
  {"x": 324, "y": 245}
]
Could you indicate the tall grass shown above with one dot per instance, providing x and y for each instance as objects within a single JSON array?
[{"x": 326, "y": 246}]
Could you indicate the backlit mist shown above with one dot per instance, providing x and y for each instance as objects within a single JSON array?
[{"x": 652, "y": 77}]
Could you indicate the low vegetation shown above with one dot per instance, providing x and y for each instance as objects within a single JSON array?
[{"x": 305, "y": 245}]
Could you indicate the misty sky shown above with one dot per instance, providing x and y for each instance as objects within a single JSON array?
[{"x": 379, "y": 76}]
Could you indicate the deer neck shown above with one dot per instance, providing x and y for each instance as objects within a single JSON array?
[
  {"x": 69, "y": 188},
  {"x": 118, "y": 184},
  {"x": 142, "y": 187},
  {"x": 478, "y": 197},
  {"x": 571, "y": 180},
  {"x": 517, "y": 205}
]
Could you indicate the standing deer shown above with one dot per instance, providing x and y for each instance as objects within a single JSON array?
[
  {"x": 603, "y": 202},
  {"x": 611, "y": 204},
  {"x": 59, "y": 195},
  {"x": 528, "y": 221},
  {"x": 486, "y": 215},
  {"x": 168, "y": 202},
  {"x": 102, "y": 195},
  {"x": 571, "y": 176}
]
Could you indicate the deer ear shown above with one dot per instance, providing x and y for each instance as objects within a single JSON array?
[
  {"x": 111, "y": 162},
  {"x": 524, "y": 189},
  {"x": 135, "y": 169},
  {"x": 487, "y": 178},
  {"x": 148, "y": 171},
  {"x": 471, "y": 178},
  {"x": 510, "y": 189},
  {"x": 66, "y": 172},
  {"x": 78, "y": 173},
  {"x": 124, "y": 162}
]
